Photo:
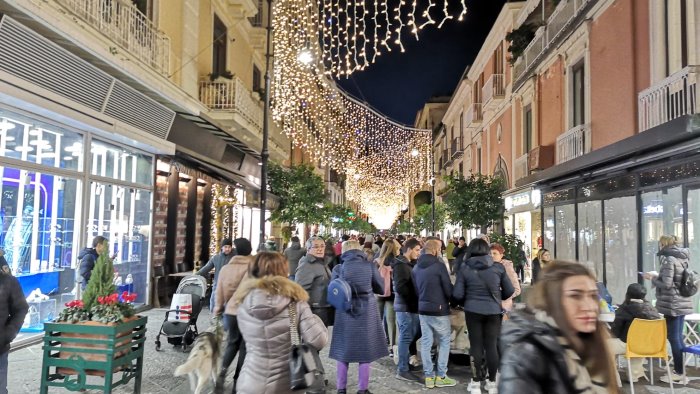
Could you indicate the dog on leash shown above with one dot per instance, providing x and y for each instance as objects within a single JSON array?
[{"x": 203, "y": 362}]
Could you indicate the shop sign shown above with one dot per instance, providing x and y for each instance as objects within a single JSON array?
[
  {"x": 517, "y": 200},
  {"x": 653, "y": 209}
]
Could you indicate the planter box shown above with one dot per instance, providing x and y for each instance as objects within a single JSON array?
[{"x": 84, "y": 349}]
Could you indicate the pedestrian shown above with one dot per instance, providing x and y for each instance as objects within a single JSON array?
[
  {"x": 375, "y": 247},
  {"x": 263, "y": 318},
  {"x": 481, "y": 286},
  {"x": 369, "y": 252},
  {"x": 358, "y": 336},
  {"x": 271, "y": 244},
  {"x": 329, "y": 254},
  {"x": 13, "y": 309},
  {"x": 216, "y": 263},
  {"x": 313, "y": 275},
  {"x": 338, "y": 247},
  {"x": 294, "y": 253},
  {"x": 497, "y": 252},
  {"x": 451, "y": 245},
  {"x": 539, "y": 263},
  {"x": 434, "y": 290},
  {"x": 230, "y": 277},
  {"x": 634, "y": 307},
  {"x": 458, "y": 253},
  {"x": 558, "y": 345},
  {"x": 4, "y": 265},
  {"x": 672, "y": 261},
  {"x": 88, "y": 257},
  {"x": 385, "y": 263},
  {"x": 406, "y": 306}
]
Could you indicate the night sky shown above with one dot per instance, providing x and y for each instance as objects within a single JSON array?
[{"x": 398, "y": 84}]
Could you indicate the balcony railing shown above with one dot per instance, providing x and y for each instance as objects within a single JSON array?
[
  {"x": 574, "y": 143},
  {"x": 232, "y": 95},
  {"x": 521, "y": 167},
  {"x": 562, "y": 17},
  {"x": 474, "y": 115},
  {"x": 669, "y": 99},
  {"x": 447, "y": 158},
  {"x": 123, "y": 23},
  {"x": 493, "y": 88},
  {"x": 456, "y": 148}
]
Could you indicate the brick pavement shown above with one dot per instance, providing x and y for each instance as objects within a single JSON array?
[{"x": 25, "y": 371}]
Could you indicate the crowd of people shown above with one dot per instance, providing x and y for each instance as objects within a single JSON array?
[{"x": 404, "y": 291}]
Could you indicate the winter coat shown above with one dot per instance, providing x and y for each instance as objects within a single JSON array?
[
  {"x": 313, "y": 275},
  {"x": 433, "y": 286},
  {"x": 388, "y": 268},
  {"x": 217, "y": 262},
  {"x": 406, "y": 298},
  {"x": 535, "y": 270},
  {"x": 294, "y": 253},
  {"x": 13, "y": 309},
  {"x": 482, "y": 285},
  {"x": 669, "y": 302},
  {"x": 88, "y": 257},
  {"x": 230, "y": 277},
  {"x": 263, "y": 319},
  {"x": 364, "y": 321},
  {"x": 459, "y": 251},
  {"x": 626, "y": 313},
  {"x": 449, "y": 249},
  {"x": 536, "y": 361},
  {"x": 507, "y": 305}
]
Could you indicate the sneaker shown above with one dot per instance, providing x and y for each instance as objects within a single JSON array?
[
  {"x": 491, "y": 387},
  {"x": 674, "y": 376},
  {"x": 445, "y": 381},
  {"x": 429, "y": 383},
  {"x": 407, "y": 376},
  {"x": 474, "y": 387}
]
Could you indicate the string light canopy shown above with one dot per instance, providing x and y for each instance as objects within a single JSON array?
[{"x": 315, "y": 41}]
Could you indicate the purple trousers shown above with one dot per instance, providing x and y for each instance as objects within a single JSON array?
[{"x": 342, "y": 376}]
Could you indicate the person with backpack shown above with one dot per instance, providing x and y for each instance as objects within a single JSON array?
[
  {"x": 385, "y": 263},
  {"x": 406, "y": 306},
  {"x": 673, "y": 262},
  {"x": 358, "y": 335}
]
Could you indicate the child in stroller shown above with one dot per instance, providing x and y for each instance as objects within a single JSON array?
[{"x": 180, "y": 324}]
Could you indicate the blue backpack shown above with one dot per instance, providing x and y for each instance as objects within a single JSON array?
[{"x": 340, "y": 294}]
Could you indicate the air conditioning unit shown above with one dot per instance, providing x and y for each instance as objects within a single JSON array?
[{"x": 541, "y": 157}]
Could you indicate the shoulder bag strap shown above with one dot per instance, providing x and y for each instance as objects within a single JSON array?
[{"x": 294, "y": 324}]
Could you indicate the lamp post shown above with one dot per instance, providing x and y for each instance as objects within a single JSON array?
[{"x": 265, "y": 154}]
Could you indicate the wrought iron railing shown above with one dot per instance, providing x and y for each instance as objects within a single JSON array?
[
  {"x": 494, "y": 87},
  {"x": 669, "y": 99},
  {"x": 474, "y": 115},
  {"x": 232, "y": 95},
  {"x": 456, "y": 148},
  {"x": 574, "y": 143}
]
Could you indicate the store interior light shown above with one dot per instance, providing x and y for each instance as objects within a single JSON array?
[
  {"x": 67, "y": 158},
  {"x": 35, "y": 131},
  {"x": 24, "y": 149},
  {"x": 9, "y": 138},
  {"x": 5, "y": 125}
]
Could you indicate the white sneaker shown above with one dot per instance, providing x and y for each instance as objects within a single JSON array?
[
  {"x": 491, "y": 387},
  {"x": 674, "y": 376},
  {"x": 474, "y": 387}
]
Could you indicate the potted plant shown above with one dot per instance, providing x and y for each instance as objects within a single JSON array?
[
  {"x": 99, "y": 335},
  {"x": 519, "y": 39}
]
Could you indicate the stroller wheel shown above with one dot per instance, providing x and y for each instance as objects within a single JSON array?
[{"x": 157, "y": 346}]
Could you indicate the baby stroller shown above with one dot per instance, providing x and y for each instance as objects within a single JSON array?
[{"x": 180, "y": 324}]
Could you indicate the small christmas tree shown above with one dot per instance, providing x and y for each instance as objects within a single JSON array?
[{"x": 101, "y": 281}]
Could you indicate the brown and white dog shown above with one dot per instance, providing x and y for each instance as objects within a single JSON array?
[{"x": 204, "y": 361}]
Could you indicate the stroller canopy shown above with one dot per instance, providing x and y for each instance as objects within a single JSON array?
[{"x": 193, "y": 284}]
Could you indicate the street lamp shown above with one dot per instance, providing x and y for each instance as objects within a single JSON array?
[{"x": 265, "y": 154}]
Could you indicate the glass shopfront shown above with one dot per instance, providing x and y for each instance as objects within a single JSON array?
[{"x": 51, "y": 207}]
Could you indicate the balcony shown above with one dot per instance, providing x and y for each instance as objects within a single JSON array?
[
  {"x": 521, "y": 167},
  {"x": 123, "y": 23},
  {"x": 493, "y": 89},
  {"x": 456, "y": 148},
  {"x": 564, "y": 19},
  {"x": 474, "y": 116},
  {"x": 232, "y": 95},
  {"x": 669, "y": 99},
  {"x": 574, "y": 143},
  {"x": 448, "y": 157}
]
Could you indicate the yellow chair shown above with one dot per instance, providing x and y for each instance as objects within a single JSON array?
[{"x": 647, "y": 338}]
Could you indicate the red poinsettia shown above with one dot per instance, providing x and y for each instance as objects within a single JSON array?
[
  {"x": 128, "y": 297},
  {"x": 75, "y": 304},
  {"x": 108, "y": 300}
]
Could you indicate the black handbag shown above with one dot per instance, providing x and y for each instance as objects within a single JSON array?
[{"x": 305, "y": 366}]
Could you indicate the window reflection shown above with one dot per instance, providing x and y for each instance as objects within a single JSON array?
[
  {"x": 116, "y": 162},
  {"x": 590, "y": 231},
  {"x": 565, "y": 222}
]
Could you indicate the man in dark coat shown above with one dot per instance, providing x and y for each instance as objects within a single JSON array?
[
  {"x": 13, "y": 308},
  {"x": 434, "y": 289},
  {"x": 458, "y": 253},
  {"x": 294, "y": 253},
  {"x": 216, "y": 263},
  {"x": 406, "y": 305},
  {"x": 88, "y": 257}
]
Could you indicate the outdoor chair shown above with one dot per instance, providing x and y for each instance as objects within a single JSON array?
[{"x": 647, "y": 339}]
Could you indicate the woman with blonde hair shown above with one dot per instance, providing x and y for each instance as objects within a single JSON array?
[
  {"x": 558, "y": 345},
  {"x": 265, "y": 299},
  {"x": 385, "y": 263}
]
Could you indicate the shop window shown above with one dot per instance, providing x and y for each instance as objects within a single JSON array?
[
  {"x": 508, "y": 224},
  {"x": 565, "y": 234},
  {"x": 662, "y": 214},
  {"x": 590, "y": 236},
  {"x": 558, "y": 196},
  {"x": 620, "y": 246},
  {"x": 123, "y": 216},
  {"x": 40, "y": 143},
  {"x": 548, "y": 241},
  {"x": 120, "y": 163},
  {"x": 693, "y": 240}
]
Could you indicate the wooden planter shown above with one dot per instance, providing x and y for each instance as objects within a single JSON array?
[{"x": 91, "y": 348}]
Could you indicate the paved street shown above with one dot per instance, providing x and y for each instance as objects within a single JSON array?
[{"x": 25, "y": 371}]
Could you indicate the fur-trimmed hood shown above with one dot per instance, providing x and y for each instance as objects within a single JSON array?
[{"x": 266, "y": 297}]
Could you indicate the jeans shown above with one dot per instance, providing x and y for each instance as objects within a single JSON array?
[
  {"x": 388, "y": 316},
  {"x": 483, "y": 338},
  {"x": 409, "y": 326},
  {"x": 674, "y": 327},
  {"x": 3, "y": 372},
  {"x": 438, "y": 327},
  {"x": 235, "y": 345},
  {"x": 342, "y": 376}
]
